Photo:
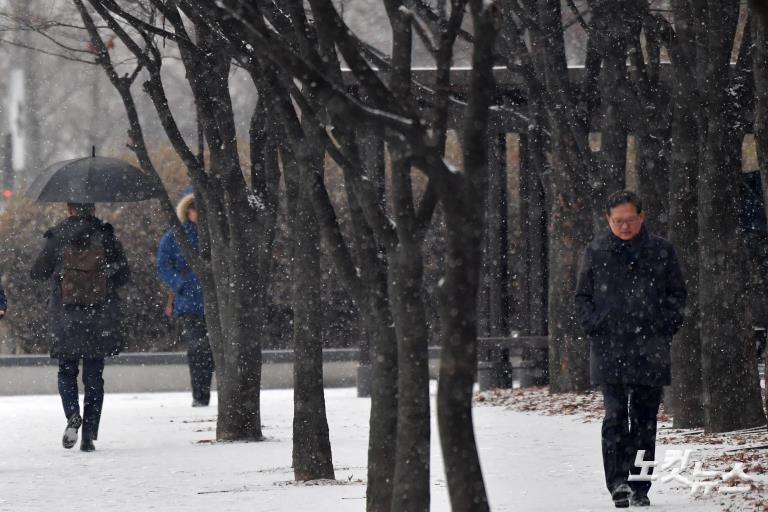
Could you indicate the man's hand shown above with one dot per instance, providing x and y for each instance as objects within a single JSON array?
[{"x": 2, "y": 313}]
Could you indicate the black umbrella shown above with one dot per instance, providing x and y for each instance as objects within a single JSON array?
[{"x": 94, "y": 179}]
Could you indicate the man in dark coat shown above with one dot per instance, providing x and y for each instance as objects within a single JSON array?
[
  {"x": 630, "y": 298},
  {"x": 87, "y": 331},
  {"x": 188, "y": 305}
]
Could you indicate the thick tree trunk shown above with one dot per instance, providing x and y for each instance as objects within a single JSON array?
[
  {"x": 760, "y": 66},
  {"x": 235, "y": 316},
  {"x": 570, "y": 230},
  {"x": 685, "y": 397},
  {"x": 495, "y": 260},
  {"x": 458, "y": 304},
  {"x": 411, "y": 482},
  {"x": 686, "y": 392},
  {"x": 312, "y": 458},
  {"x": 410, "y": 490},
  {"x": 570, "y": 203},
  {"x": 377, "y": 311},
  {"x": 731, "y": 394},
  {"x": 464, "y": 204},
  {"x": 654, "y": 181},
  {"x": 234, "y": 251},
  {"x": 534, "y": 232},
  {"x": 384, "y": 396}
]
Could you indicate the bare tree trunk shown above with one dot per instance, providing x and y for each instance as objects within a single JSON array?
[
  {"x": 235, "y": 239},
  {"x": 312, "y": 457},
  {"x": 534, "y": 233},
  {"x": 377, "y": 311},
  {"x": 760, "y": 67},
  {"x": 377, "y": 307},
  {"x": 495, "y": 261},
  {"x": 653, "y": 174},
  {"x": 686, "y": 388},
  {"x": 410, "y": 490},
  {"x": 464, "y": 209},
  {"x": 411, "y": 481},
  {"x": 384, "y": 396},
  {"x": 726, "y": 346},
  {"x": 686, "y": 392},
  {"x": 570, "y": 221}
]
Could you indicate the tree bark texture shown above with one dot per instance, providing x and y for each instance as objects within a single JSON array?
[
  {"x": 495, "y": 259},
  {"x": 726, "y": 345},
  {"x": 465, "y": 215},
  {"x": 312, "y": 458},
  {"x": 686, "y": 393},
  {"x": 410, "y": 489},
  {"x": 411, "y": 483},
  {"x": 760, "y": 66},
  {"x": 569, "y": 199}
]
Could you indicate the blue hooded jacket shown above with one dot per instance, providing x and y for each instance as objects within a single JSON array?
[{"x": 177, "y": 274}]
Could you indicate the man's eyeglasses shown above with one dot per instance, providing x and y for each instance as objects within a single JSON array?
[{"x": 625, "y": 222}]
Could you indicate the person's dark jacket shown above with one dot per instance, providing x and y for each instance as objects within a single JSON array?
[
  {"x": 630, "y": 297},
  {"x": 174, "y": 270},
  {"x": 83, "y": 331},
  {"x": 3, "y": 300}
]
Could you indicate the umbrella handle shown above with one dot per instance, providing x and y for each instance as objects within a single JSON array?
[{"x": 93, "y": 151}]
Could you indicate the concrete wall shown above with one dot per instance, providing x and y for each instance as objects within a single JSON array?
[{"x": 141, "y": 373}]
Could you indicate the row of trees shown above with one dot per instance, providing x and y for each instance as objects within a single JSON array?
[
  {"x": 323, "y": 92},
  {"x": 293, "y": 52},
  {"x": 689, "y": 118}
]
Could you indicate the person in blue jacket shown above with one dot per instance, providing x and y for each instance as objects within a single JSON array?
[{"x": 188, "y": 305}]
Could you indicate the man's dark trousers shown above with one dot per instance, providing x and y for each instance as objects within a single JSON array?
[
  {"x": 199, "y": 355},
  {"x": 93, "y": 384},
  {"x": 629, "y": 425}
]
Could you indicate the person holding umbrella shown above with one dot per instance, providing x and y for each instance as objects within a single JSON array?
[
  {"x": 188, "y": 305},
  {"x": 86, "y": 265}
]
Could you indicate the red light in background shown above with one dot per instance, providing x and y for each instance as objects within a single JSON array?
[{"x": 7, "y": 193}]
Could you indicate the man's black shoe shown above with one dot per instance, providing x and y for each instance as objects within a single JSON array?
[
  {"x": 86, "y": 445},
  {"x": 639, "y": 499},
  {"x": 70, "y": 433},
  {"x": 620, "y": 496},
  {"x": 199, "y": 403}
]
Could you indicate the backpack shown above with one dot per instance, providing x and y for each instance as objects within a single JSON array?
[{"x": 84, "y": 274}]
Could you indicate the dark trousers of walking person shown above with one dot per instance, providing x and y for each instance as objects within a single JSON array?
[
  {"x": 199, "y": 356},
  {"x": 93, "y": 384},
  {"x": 629, "y": 425}
]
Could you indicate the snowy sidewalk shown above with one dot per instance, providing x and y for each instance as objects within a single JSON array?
[{"x": 155, "y": 453}]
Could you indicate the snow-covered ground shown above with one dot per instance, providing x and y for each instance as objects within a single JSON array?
[{"x": 155, "y": 452}]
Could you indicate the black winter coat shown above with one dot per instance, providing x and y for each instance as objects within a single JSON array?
[
  {"x": 82, "y": 331},
  {"x": 630, "y": 297}
]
